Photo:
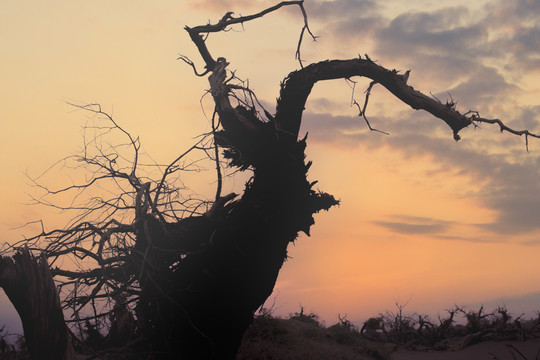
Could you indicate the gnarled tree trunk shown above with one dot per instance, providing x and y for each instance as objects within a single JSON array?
[{"x": 200, "y": 306}]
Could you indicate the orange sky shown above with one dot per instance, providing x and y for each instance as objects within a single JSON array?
[{"x": 423, "y": 219}]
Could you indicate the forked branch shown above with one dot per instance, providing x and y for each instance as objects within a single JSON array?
[{"x": 362, "y": 111}]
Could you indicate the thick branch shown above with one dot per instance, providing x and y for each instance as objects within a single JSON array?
[{"x": 297, "y": 87}]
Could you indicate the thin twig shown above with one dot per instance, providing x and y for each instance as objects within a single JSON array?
[
  {"x": 362, "y": 111},
  {"x": 503, "y": 128},
  {"x": 190, "y": 63}
]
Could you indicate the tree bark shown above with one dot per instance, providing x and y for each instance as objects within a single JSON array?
[{"x": 28, "y": 284}]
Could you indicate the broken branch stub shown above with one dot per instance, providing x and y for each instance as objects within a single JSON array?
[{"x": 28, "y": 283}]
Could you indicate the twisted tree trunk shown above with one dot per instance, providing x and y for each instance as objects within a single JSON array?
[{"x": 200, "y": 306}]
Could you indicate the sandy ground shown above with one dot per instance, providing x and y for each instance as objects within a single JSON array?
[{"x": 484, "y": 351}]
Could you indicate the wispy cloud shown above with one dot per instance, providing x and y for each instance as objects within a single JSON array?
[{"x": 411, "y": 225}]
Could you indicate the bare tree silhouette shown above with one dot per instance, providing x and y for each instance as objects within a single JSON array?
[{"x": 192, "y": 272}]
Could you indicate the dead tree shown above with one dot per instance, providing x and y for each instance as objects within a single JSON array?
[
  {"x": 194, "y": 282},
  {"x": 28, "y": 284}
]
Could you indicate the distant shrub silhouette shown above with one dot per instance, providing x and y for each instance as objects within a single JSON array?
[
  {"x": 344, "y": 332},
  {"x": 310, "y": 318},
  {"x": 6, "y": 349},
  {"x": 462, "y": 326}
]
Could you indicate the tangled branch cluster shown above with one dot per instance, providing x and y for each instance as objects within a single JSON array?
[{"x": 91, "y": 258}]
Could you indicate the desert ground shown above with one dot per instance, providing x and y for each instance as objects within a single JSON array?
[{"x": 489, "y": 350}]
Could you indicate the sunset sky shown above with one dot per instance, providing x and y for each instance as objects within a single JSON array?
[{"x": 423, "y": 219}]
